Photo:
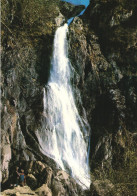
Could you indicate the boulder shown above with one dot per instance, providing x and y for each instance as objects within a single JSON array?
[
  {"x": 44, "y": 191},
  {"x": 18, "y": 191},
  {"x": 63, "y": 184},
  {"x": 31, "y": 181}
]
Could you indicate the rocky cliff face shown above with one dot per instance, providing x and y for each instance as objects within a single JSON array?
[
  {"x": 103, "y": 52},
  {"x": 26, "y": 49}
]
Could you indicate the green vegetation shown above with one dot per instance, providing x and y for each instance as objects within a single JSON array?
[
  {"x": 33, "y": 17},
  {"x": 28, "y": 27},
  {"x": 123, "y": 173}
]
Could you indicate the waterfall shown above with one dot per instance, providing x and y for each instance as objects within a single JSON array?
[{"x": 63, "y": 138}]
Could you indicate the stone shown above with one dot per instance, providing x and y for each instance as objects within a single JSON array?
[
  {"x": 17, "y": 191},
  {"x": 31, "y": 181},
  {"x": 5, "y": 159},
  {"x": 63, "y": 184},
  {"x": 44, "y": 191},
  {"x": 59, "y": 20}
]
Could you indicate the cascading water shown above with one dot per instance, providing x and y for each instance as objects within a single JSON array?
[{"x": 63, "y": 138}]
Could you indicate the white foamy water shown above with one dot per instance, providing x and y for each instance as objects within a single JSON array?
[{"x": 63, "y": 138}]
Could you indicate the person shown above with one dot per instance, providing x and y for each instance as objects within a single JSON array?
[
  {"x": 15, "y": 177},
  {"x": 22, "y": 177}
]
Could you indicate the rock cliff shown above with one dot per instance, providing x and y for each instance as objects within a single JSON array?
[{"x": 103, "y": 52}]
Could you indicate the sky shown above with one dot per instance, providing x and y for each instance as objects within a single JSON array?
[{"x": 78, "y": 2}]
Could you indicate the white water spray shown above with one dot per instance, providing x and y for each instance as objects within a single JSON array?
[{"x": 63, "y": 138}]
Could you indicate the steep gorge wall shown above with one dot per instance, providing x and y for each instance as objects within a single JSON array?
[
  {"x": 103, "y": 50},
  {"x": 27, "y": 38}
]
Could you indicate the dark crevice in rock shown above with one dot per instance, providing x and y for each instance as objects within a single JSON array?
[{"x": 44, "y": 59}]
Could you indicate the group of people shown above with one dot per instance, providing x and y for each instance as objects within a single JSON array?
[{"x": 19, "y": 177}]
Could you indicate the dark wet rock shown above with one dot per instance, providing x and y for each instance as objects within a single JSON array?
[{"x": 31, "y": 181}]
